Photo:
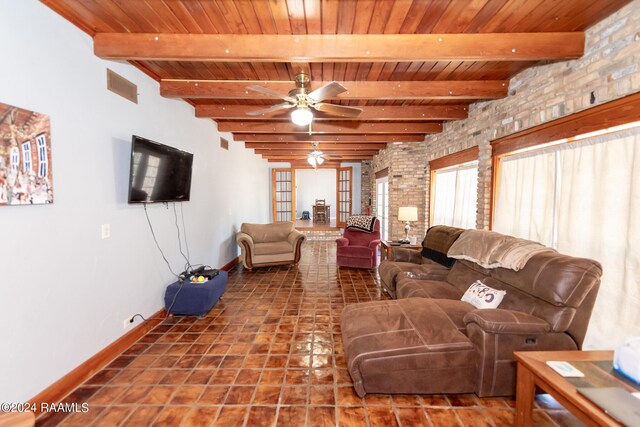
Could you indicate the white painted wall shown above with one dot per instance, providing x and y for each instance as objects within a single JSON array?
[
  {"x": 64, "y": 291},
  {"x": 315, "y": 184}
]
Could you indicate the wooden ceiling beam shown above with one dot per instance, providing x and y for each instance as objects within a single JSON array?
[
  {"x": 278, "y": 146},
  {"x": 409, "y": 112},
  {"x": 331, "y": 127},
  {"x": 339, "y": 47},
  {"x": 325, "y": 138},
  {"x": 304, "y": 152},
  {"x": 289, "y": 158},
  {"x": 390, "y": 90}
]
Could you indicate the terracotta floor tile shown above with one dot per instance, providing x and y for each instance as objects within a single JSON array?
[
  {"x": 294, "y": 395},
  {"x": 159, "y": 395},
  {"x": 232, "y": 416},
  {"x": 113, "y": 416},
  {"x": 267, "y": 395},
  {"x": 346, "y": 396},
  {"x": 382, "y": 417},
  {"x": 81, "y": 419},
  {"x": 261, "y": 416},
  {"x": 202, "y": 416},
  {"x": 321, "y": 416},
  {"x": 412, "y": 416},
  {"x": 102, "y": 377},
  {"x": 143, "y": 415},
  {"x": 171, "y": 416},
  {"x": 292, "y": 415},
  {"x": 224, "y": 376},
  {"x": 213, "y": 395},
  {"x": 248, "y": 376},
  {"x": 501, "y": 417},
  {"x": 175, "y": 377},
  {"x": 322, "y": 395},
  {"x": 442, "y": 417},
  {"x": 377, "y": 399},
  {"x": 351, "y": 417},
  {"x": 199, "y": 376},
  {"x": 106, "y": 395},
  {"x": 239, "y": 395},
  {"x": 186, "y": 394},
  {"x": 272, "y": 376},
  {"x": 477, "y": 418}
]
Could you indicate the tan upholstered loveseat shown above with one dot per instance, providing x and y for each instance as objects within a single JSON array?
[{"x": 269, "y": 244}]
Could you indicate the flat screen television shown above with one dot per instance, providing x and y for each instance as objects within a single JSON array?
[{"x": 158, "y": 173}]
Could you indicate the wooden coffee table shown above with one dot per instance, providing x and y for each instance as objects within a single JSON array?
[
  {"x": 387, "y": 248},
  {"x": 597, "y": 368}
]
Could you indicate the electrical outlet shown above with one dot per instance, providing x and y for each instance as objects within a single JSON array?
[
  {"x": 128, "y": 321},
  {"x": 106, "y": 231}
]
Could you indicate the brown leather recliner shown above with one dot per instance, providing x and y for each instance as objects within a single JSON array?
[
  {"x": 432, "y": 262},
  {"x": 428, "y": 341},
  {"x": 269, "y": 244}
]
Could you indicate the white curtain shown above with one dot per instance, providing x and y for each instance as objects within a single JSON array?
[
  {"x": 456, "y": 192},
  {"x": 594, "y": 191},
  {"x": 526, "y": 197}
]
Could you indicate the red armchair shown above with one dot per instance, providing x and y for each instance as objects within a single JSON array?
[{"x": 359, "y": 249}]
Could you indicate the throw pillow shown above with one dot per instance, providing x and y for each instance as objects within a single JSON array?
[
  {"x": 362, "y": 222},
  {"x": 482, "y": 296}
]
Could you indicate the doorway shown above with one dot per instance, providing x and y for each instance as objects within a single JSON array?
[{"x": 382, "y": 205}]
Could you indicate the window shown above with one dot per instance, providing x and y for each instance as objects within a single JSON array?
[
  {"x": 454, "y": 189},
  {"x": 14, "y": 159},
  {"x": 583, "y": 199},
  {"x": 43, "y": 163},
  {"x": 26, "y": 155}
]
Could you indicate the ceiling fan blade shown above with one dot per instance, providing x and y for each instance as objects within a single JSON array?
[
  {"x": 271, "y": 93},
  {"x": 338, "y": 110},
  {"x": 333, "y": 156},
  {"x": 327, "y": 91},
  {"x": 271, "y": 109}
]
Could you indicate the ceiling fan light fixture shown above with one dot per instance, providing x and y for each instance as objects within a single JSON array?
[
  {"x": 320, "y": 160},
  {"x": 301, "y": 116},
  {"x": 312, "y": 161}
]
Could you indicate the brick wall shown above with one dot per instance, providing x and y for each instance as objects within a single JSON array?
[
  {"x": 407, "y": 177},
  {"x": 366, "y": 172},
  {"x": 609, "y": 69}
]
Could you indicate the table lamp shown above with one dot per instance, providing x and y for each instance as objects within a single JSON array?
[{"x": 407, "y": 214}]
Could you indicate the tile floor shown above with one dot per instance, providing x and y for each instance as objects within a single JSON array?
[{"x": 270, "y": 352}]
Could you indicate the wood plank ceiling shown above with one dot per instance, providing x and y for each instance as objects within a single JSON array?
[{"x": 410, "y": 65}]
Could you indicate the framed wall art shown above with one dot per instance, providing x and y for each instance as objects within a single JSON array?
[{"x": 25, "y": 157}]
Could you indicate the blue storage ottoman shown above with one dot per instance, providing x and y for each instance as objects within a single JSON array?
[{"x": 194, "y": 299}]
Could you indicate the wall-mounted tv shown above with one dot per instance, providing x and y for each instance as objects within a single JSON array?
[{"x": 158, "y": 173}]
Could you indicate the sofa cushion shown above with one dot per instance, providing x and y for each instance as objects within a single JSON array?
[
  {"x": 390, "y": 272},
  {"x": 355, "y": 251},
  {"x": 437, "y": 242},
  {"x": 272, "y": 248},
  {"x": 264, "y": 233},
  {"x": 406, "y": 346},
  {"x": 408, "y": 288}
]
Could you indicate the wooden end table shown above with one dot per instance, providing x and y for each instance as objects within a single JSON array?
[
  {"x": 598, "y": 372},
  {"x": 387, "y": 248}
]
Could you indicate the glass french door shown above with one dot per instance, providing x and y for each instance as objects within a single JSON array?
[
  {"x": 343, "y": 195},
  {"x": 382, "y": 205},
  {"x": 283, "y": 195}
]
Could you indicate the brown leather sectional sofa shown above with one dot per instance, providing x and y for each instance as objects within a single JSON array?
[{"x": 429, "y": 341}]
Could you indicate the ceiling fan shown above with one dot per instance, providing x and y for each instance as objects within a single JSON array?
[
  {"x": 303, "y": 100},
  {"x": 316, "y": 157}
]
